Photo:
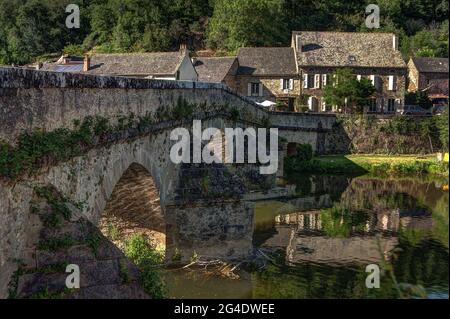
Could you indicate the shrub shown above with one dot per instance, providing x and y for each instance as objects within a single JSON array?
[
  {"x": 138, "y": 248},
  {"x": 304, "y": 152}
]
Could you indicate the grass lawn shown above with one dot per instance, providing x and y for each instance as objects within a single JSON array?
[
  {"x": 377, "y": 159},
  {"x": 376, "y": 164}
]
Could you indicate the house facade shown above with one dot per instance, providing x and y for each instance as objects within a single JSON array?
[
  {"x": 268, "y": 74},
  {"x": 431, "y": 76},
  {"x": 374, "y": 56}
]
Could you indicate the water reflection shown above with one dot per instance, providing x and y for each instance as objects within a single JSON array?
[{"x": 321, "y": 240}]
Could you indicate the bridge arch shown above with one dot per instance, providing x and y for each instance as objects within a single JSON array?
[{"x": 134, "y": 207}]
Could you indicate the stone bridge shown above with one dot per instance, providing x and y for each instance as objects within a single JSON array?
[{"x": 120, "y": 163}]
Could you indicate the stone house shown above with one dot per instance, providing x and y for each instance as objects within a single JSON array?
[
  {"x": 153, "y": 65},
  {"x": 217, "y": 69},
  {"x": 370, "y": 55},
  {"x": 429, "y": 75},
  {"x": 268, "y": 74}
]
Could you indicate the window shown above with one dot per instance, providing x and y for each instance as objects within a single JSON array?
[
  {"x": 391, "y": 105},
  {"x": 287, "y": 84},
  {"x": 372, "y": 105},
  {"x": 324, "y": 80},
  {"x": 317, "y": 81},
  {"x": 305, "y": 81},
  {"x": 392, "y": 83},
  {"x": 254, "y": 89}
]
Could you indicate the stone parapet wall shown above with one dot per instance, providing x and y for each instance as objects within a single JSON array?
[{"x": 48, "y": 100}]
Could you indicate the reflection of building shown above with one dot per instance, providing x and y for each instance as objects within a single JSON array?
[{"x": 303, "y": 235}]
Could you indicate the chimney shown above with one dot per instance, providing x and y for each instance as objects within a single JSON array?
[
  {"x": 395, "y": 42},
  {"x": 183, "y": 48},
  {"x": 65, "y": 59},
  {"x": 86, "y": 63},
  {"x": 299, "y": 44}
]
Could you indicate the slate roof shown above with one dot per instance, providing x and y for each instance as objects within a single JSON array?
[
  {"x": 71, "y": 67},
  {"x": 213, "y": 69},
  {"x": 138, "y": 64},
  {"x": 431, "y": 65},
  {"x": 347, "y": 49},
  {"x": 265, "y": 61},
  {"x": 143, "y": 64}
]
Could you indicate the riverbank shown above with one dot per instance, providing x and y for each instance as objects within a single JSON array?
[{"x": 370, "y": 164}]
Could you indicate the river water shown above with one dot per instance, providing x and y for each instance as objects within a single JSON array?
[{"x": 318, "y": 242}]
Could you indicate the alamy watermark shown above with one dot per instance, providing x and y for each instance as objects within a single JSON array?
[
  {"x": 228, "y": 147},
  {"x": 373, "y": 18},
  {"x": 73, "y": 19},
  {"x": 73, "y": 280},
  {"x": 373, "y": 278}
]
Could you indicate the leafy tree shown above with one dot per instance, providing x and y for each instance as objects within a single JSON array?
[
  {"x": 419, "y": 98},
  {"x": 238, "y": 23},
  {"x": 347, "y": 91}
]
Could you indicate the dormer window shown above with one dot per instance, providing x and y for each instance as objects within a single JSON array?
[{"x": 351, "y": 59}]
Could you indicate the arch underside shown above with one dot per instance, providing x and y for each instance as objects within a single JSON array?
[{"x": 134, "y": 207}]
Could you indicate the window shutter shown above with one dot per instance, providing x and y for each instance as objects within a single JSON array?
[
  {"x": 372, "y": 79},
  {"x": 291, "y": 84},
  {"x": 282, "y": 84},
  {"x": 260, "y": 89},
  {"x": 305, "y": 81},
  {"x": 358, "y": 77},
  {"x": 249, "y": 89}
]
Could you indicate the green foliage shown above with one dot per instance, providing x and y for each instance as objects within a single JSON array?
[
  {"x": 301, "y": 159},
  {"x": 183, "y": 109},
  {"x": 139, "y": 250},
  {"x": 239, "y": 23},
  {"x": 30, "y": 29},
  {"x": 341, "y": 222},
  {"x": 365, "y": 165},
  {"x": 55, "y": 244},
  {"x": 58, "y": 204},
  {"x": 37, "y": 148},
  {"x": 304, "y": 152},
  {"x": 442, "y": 125},
  {"x": 93, "y": 241},
  {"x": 344, "y": 89},
  {"x": 419, "y": 98}
]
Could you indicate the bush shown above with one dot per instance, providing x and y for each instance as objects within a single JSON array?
[
  {"x": 139, "y": 249},
  {"x": 304, "y": 152}
]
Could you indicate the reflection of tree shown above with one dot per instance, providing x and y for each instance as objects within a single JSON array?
[
  {"x": 424, "y": 264},
  {"x": 316, "y": 281},
  {"x": 341, "y": 222},
  {"x": 421, "y": 263}
]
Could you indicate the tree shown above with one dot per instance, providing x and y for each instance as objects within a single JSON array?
[
  {"x": 419, "y": 98},
  {"x": 239, "y": 23},
  {"x": 346, "y": 91}
]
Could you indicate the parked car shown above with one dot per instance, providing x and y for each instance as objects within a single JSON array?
[{"x": 414, "y": 110}]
